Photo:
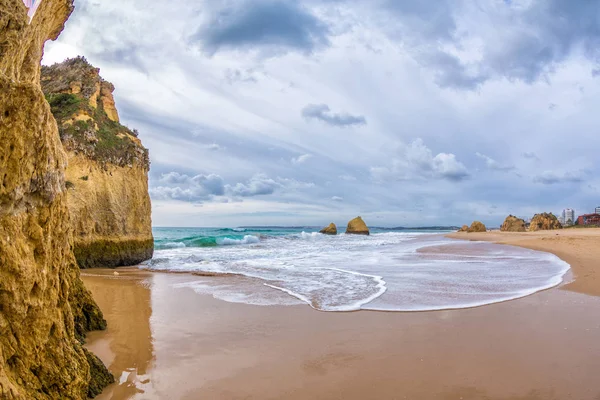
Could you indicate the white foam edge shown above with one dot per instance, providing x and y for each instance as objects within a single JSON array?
[
  {"x": 553, "y": 282},
  {"x": 351, "y": 307}
]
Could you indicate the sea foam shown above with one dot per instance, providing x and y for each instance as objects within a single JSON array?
[{"x": 393, "y": 271}]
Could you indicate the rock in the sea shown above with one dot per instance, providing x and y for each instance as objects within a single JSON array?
[
  {"x": 477, "y": 226},
  {"x": 107, "y": 171},
  {"x": 544, "y": 222},
  {"x": 464, "y": 228},
  {"x": 330, "y": 230},
  {"x": 44, "y": 307},
  {"x": 513, "y": 224},
  {"x": 357, "y": 227}
]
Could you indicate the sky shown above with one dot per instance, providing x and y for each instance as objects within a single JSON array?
[{"x": 408, "y": 113}]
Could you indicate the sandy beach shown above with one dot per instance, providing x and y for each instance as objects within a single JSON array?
[{"x": 168, "y": 342}]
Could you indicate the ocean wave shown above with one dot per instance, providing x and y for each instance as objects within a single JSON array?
[
  {"x": 310, "y": 235},
  {"x": 248, "y": 239}
]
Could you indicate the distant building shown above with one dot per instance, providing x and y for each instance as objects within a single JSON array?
[
  {"x": 597, "y": 210},
  {"x": 568, "y": 217},
  {"x": 589, "y": 219}
]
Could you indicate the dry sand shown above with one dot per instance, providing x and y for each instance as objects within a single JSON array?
[{"x": 172, "y": 343}]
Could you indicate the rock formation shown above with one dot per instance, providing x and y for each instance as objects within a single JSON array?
[
  {"x": 44, "y": 307},
  {"x": 513, "y": 224},
  {"x": 107, "y": 172},
  {"x": 477, "y": 226},
  {"x": 329, "y": 230},
  {"x": 464, "y": 228},
  {"x": 357, "y": 227},
  {"x": 544, "y": 222}
]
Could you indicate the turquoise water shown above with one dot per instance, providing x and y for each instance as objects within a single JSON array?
[{"x": 169, "y": 238}]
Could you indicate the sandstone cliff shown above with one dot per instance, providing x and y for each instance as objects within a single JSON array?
[
  {"x": 329, "y": 230},
  {"x": 107, "y": 172},
  {"x": 44, "y": 307},
  {"x": 544, "y": 222},
  {"x": 477, "y": 226},
  {"x": 357, "y": 227},
  {"x": 513, "y": 224},
  {"x": 464, "y": 228}
]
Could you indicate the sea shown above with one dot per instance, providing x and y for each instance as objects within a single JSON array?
[{"x": 389, "y": 270}]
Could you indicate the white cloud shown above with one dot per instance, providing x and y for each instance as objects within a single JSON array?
[
  {"x": 301, "y": 159},
  {"x": 490, "y": 163},
  {"x": 416, "y": 161}
]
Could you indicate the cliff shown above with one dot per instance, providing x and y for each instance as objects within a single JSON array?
[
  {"x": 44, "y": 308},
  {"x": 513, "y": 224},
  {"x": 544, "y": 222},
  {"x": 477, "y": 226},
  {"x": 107, "y": 172}
]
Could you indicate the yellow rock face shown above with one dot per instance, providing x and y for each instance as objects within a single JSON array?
[
  {"x": 44, "y": 307},
  {"x": 544, "y": 222},
  {"x": 108, "y": 101},
  {"x": 110, "y": 213},
  {"x": 513, "y": 224},
  {"x": 357, "y": 227},
  {"x": 464, "y": 228},
  {"x": 329, "y": 230},
  {"x": 477, "y": 226}
]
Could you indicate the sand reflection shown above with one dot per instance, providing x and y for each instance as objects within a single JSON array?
[{"x": 126, "y": 347}]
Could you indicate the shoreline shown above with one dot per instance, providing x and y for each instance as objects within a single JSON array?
[
  {"x": 563, "y": 244},
  {"x": 164, "y": 340}
]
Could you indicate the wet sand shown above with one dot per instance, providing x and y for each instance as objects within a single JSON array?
[{"x": 165, "y": 342}]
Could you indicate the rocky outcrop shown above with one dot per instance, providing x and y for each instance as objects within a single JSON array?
[
  {"x": 513, "y": 224},
  {"x": 107, "y": 172},
  {"x": 329, "y": 230},
  {"x": 44, "y": 307},
  {"x": 464, "y": 228},
  {"x": 357, "y": 227},
  {"x": 477, "y": 226},
  {"x": 544, "y": 222}
]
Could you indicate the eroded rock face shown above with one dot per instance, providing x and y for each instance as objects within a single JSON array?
[
  {"x": 513, "y": 224},
  {"x": 464, "y": 228},
  {"x": 357, "y": 227},
  {"x": 329, "y": 230},
  {"x": 107, "y": 172},
  {"x": 477, "y": 226},
  {"x": 544, "y": 222},
  {"x": 41, "y": 294}
]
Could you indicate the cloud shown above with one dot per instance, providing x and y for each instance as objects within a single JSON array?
[
  {"x": 196, "y": 188},
  {"x": 554, "y": 177},
  {"x": 301, "y": 159},
  {"x": 416, "y": 161},
  {"x": 467, "y": 45},
  {"x": 337, "y": 198},
  {"x": 348, "y": 178},
  {"x": 490, "y": 163},
  {"x": 530, "y": 155},
  {"x": 323, "y": 113},
  {"x": 258, "y": 185},
  {"x": 213, "y": 147},
  {"x": 278, "y": 24},
  {"x": 235, "y": 75}
]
